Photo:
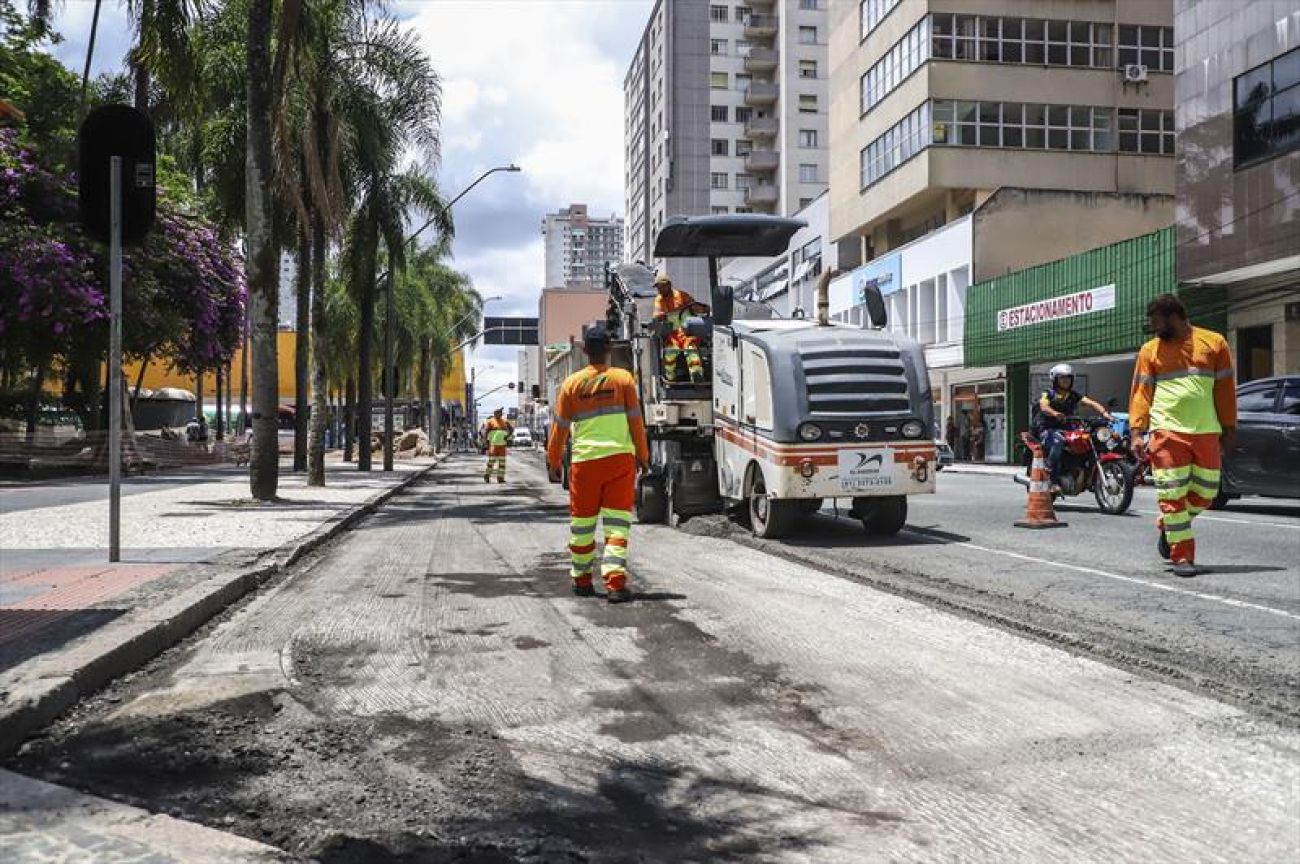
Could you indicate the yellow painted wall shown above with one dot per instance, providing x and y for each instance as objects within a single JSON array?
[{"x": 453, "y": 385}]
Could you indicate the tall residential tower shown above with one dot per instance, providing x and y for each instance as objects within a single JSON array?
[{"x": 578, "y": 247}]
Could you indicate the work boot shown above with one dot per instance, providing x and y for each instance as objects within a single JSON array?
[
  {"x": 585, "y": 589},
  {"x": 1162, "y": 545},
  {"x": 501, "y": 479},
  {"x": 1185, "y": 569},
  {"x": 487, "y": 478},
  {"x": 619, "y": 595}
]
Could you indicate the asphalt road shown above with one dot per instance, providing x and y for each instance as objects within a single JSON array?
[{"x": 427, "y": 689}]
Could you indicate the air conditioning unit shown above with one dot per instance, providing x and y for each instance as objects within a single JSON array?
[{"x": 1135, "y": 73}]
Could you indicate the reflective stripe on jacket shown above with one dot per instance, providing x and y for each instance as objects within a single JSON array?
[
  {"x": 599, "y": 407},
  {"x": 676, "y": 310},
  {"x": 1185, "y": 386}
]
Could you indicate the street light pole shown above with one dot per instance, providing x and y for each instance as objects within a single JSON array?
[{"x": 390, "y": 383}]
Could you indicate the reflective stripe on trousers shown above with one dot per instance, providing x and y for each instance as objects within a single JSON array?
[
  {"x": 498, "y": 463},
  {"x": 601, "y": 490},
  {"x": 1186, "y": 469}
]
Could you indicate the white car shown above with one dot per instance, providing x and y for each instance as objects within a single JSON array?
[{"x": 522, "y": 438}]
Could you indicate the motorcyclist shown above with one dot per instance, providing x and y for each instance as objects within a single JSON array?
[{"x": 1056, "y": 404}]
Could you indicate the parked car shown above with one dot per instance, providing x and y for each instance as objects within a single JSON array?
[
  {"x": 1266, "y": 460},
  {"x": 943, "y": 455},
  {"x": 522, "y": 437}
]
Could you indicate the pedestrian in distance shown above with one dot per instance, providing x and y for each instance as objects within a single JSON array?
[
  {"x": 599, "y": 409},
  {"x": 497, "y": 431},
  {"x": 1183, "y": 414}
]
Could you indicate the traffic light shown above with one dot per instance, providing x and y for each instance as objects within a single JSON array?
[
  {"x": 537, "y": 392},
  {"x": 108, "y": 131}
]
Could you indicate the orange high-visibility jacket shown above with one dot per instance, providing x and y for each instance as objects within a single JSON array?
[
  {"x": 599, "y": 405},
  {"x": 498, "y": 433},
  {"x": 1184, "y": 386},
  {"x": 679, "y": 301}
]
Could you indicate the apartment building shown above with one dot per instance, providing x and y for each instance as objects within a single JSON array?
[
  {"x": 578, "y": 247},
  {"x": 1237, "y": 107},
  {"x": 725, "y": 112},
  {"x": 972, "y": 138}
]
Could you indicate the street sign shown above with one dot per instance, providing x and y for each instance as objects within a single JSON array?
[
  {"x": 124, "y": 132},
  {"x": 509, "y": 331}
]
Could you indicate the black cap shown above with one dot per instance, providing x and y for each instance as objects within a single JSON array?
[{"x": 595, "y": 336}]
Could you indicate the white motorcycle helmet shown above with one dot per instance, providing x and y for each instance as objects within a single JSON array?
[{"x": 1060, "y": 370}]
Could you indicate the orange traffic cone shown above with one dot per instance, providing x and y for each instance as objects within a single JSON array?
[{"x": 1039, "y": 512}]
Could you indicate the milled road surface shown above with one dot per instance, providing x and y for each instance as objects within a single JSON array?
[{"x": 428, "y": 690}]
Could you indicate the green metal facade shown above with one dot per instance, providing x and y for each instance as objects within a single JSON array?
[{"x": 1140, "y": 269}]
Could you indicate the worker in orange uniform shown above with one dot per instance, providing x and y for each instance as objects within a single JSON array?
[
  {"x": 1183, "y": 393},
  {"x": 598, "y": 407},
  {"x": 675, "y": 307},
  {"x": 497, "y": 430}
]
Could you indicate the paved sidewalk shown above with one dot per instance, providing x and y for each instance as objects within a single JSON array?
[
  {"x": 192, "y": 544},
  {"x": 42, "y": 822}
]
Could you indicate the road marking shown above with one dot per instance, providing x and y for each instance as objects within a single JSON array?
[
  {"x": 1200, "y": 595},
  {"x": 1202, "y": 516}
]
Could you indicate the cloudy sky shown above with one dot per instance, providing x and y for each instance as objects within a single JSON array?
[{"x": 534, "y": 82}]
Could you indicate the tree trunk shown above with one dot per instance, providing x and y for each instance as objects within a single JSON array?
[
  {"x": 243, "y": 379},
  {"x": 139, "y": 74},
  {"x": 218, "y": 392},
  {"x": 365, "y": 344},
  {"x": 435, "y": 410},
  {"x": 422, "y": 386},
  {"x": 302, "y": 351},
  {"x": 198, "y": 398},
  {"x": 34, "y": 393},
  {"x": 320, "y": 405},
  {"x": 262, "y": 264},
  {"x": 349, "y": 410}
]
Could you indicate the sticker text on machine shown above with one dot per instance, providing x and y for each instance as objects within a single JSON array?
[
  {"x": 866, "y": 469},
  {"x": 1055, "y": 308}
]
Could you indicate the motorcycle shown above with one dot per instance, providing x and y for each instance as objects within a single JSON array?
[
  {"x": 1094, "y": 458},
  {"x": 1122, "y": 443}
]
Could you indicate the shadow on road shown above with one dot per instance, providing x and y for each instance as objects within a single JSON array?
[{"x": 1222, "y": 569}]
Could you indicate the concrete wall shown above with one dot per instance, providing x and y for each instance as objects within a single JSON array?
[{"x": 1019, "y": 228}]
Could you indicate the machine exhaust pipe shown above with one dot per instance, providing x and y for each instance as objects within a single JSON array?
[{"x": 824, "y": 297}]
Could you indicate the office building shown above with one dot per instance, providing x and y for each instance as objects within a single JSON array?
[
  {"x": 969, "y": 140},
  {"x": 1237, "y": 107},
  {"x": 578, "y": 247},
  {"x": 725, "y": 112}
]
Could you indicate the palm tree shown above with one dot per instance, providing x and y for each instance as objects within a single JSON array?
[{"x": 262, "y": 258}]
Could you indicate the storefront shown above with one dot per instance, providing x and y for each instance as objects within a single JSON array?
[{"x": 1088, "y": 310}]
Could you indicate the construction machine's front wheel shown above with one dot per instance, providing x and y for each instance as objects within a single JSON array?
[
  {"x": 882, "y": 517},
  {"x": 769, "y": 518}
]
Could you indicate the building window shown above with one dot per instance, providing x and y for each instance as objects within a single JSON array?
[
  {"x": 804, "y": 202},
  {"x": 719, "y": 211},
  {"x": 718, "y": 180},
  {"x": 744, "y": 114},
  {"x": 807, "y": 68},
  {"x": 743, "y": 47},
  {"x": 743, "y": 182},
  {"x": 807, "y": 173},
  {"x": 718, "y": 113},
  {"x": 807, "y": 138},
  {"x": 872, "y": 12},
  {"x": 744, "y": 209},
  {"x": 718, "y": 14},
  {"x": 744, "y": 147},
  {"x": 808, "y": 4},
  {"x": 898, "y": 63},
  {"x": 718, "y": 80},
  {"x": 743, "y": 14},
  {"x": 1143, "y": 130},
  {"x": 807, "y": 35},
  {"x": 1152, "y": 47},
  {"x": 1266, "y": 110},
  {"x": 1028, "y": 126},
  {"x": 898, "y": 144},
  {"x": 808, "y": 103},
  {"x": 720, "y": 147},
  {"x": 718, "y": 47},
  {"x": 1021, "y": 40},
  {"x": 743, "y": 81}
]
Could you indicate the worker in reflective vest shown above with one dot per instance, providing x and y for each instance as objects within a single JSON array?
[
  {"x": 1184, "y": 394},
  {"x": 497, "y": 431},
  {"x": 598, "y": 408},
  {"x": 675, "y": 307}
]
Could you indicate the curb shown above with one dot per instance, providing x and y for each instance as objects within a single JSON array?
[{"x": 68, "y": 677}]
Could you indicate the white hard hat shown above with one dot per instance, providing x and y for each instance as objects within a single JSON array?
[{"x": 1061, "y": 370}]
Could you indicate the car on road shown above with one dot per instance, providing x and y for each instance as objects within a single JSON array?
[
  {"x": 943, "y": 455},
  {"x": 1266, "y": 458},
  {"x": 522, "y": 437}
]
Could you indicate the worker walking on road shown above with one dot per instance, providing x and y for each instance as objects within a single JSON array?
[
  {"x": 1184, "y": 394},
  {"x": 598, "y": 407},
  {"x": 675, "y": 307},
  {"x": 497, "y": 430}
]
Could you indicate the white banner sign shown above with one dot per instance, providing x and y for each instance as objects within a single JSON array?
[{"x": 1068, "y": 306}]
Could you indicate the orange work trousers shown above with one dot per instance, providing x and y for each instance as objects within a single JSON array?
[
  {"x": 1186, "y": 469},
  {"x": 601, "y": 490}
]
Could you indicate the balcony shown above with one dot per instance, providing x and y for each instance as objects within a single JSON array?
[
  {"x": 762, "y": 160},
  {"x": 761, "y": 26},
  {"x": 761, "y": 94},
  {"x": 761, "y": 60},
  {"x": 762, "y": 195},
  {"x": 762, "y": 127}
]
